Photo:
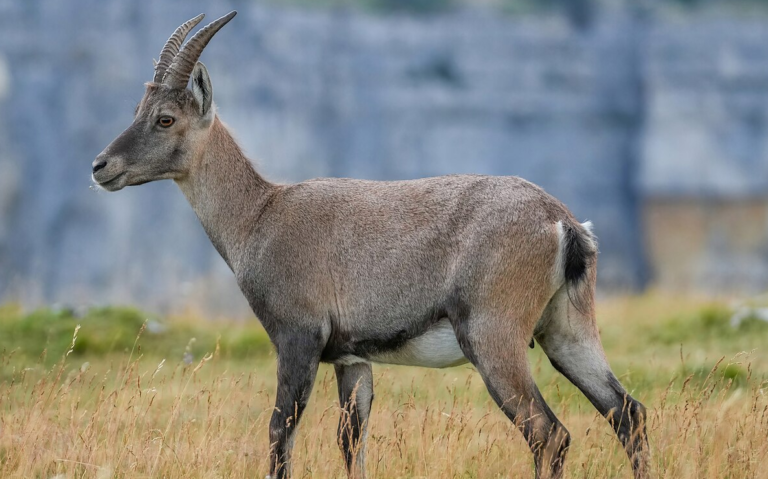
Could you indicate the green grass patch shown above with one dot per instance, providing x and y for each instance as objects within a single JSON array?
[
  {"x": 48, "y": 333},
  {"x": 711, "y": 322}
]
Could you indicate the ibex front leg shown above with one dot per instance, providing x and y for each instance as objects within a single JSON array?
[
  {"x": 355, "y": 396},
  {"x": 297, "y": 360}
]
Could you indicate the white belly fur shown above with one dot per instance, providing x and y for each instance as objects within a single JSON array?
[{"x": 436, "y": 348}]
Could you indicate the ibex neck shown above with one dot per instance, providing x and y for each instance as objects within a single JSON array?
[{"x": 227, "y": 194}]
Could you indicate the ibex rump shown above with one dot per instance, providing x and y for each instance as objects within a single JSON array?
[{"x": 432, "y": 272}]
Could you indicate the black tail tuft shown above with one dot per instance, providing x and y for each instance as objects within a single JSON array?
[{"x": 580, "y": 253}]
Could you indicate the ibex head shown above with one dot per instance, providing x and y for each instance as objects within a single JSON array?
[{"x": 171, "y": 121}]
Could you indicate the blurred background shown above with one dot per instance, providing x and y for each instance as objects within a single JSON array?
[{"x": 648, "y": 118}]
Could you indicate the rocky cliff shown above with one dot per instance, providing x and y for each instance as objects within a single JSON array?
[{"x": 599, "y": 117}]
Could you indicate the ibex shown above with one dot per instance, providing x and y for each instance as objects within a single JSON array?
[{"x": 433, "y": 272}]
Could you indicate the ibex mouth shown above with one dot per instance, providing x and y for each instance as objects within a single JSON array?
[{"x": 112, "y": 184}]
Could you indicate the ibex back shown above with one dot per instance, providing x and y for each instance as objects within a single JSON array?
[{"x": 432, "y": 272}]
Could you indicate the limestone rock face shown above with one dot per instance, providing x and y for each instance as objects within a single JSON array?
[{"x": 592, "y": 115}]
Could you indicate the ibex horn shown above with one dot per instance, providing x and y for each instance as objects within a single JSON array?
[
  {"x": 177, "y": 75},
  {"x": 172, "y": 46}
]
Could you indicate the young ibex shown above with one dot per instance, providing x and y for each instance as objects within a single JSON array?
[{"x": 432, "y": 272}]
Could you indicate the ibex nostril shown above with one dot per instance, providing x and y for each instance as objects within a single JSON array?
[{"x": 101, "y": 164}]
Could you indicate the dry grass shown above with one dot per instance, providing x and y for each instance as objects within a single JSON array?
[{"x": 126, "y": 414}]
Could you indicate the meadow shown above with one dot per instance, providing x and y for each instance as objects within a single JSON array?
[{"x": 113, "y": 392}]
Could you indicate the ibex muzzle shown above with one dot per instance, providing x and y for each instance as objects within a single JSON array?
[{"x": 432, "y": 272}]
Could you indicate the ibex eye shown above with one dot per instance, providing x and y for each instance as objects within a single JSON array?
[{"x": 165, "y": 121}]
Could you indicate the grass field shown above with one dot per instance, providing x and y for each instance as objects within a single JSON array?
[{"x": 192, "y": 399}]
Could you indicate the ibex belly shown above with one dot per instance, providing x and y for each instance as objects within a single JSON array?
[{"x": 436, "y": 348}]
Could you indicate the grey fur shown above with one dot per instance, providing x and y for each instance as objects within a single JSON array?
[{"x": 429, "y": 272}]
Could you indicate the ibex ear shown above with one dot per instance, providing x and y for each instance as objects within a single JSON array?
[{"x": 202, "y": 89}]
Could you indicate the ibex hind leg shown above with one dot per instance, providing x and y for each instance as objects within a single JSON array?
[
  {"x": 500, "y": 357},
  {"x": 571, "y": 340}
]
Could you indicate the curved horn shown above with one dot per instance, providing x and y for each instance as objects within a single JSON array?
[
  {"x": 172, "y": 46},
  {"x": 177, "y": 75}
]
